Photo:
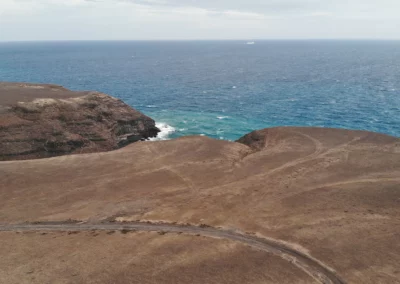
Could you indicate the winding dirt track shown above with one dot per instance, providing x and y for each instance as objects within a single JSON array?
[{"x": 314, "y": 268}]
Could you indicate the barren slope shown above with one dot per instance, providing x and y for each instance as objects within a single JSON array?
[
  {"x": 137, "y": 257},
  {"x": 331, "y": 194}
]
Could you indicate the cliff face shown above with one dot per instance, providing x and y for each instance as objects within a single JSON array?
[{"x": 39, "y": 121}]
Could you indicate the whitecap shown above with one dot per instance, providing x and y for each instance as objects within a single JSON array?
[
  {"x": 151, "y": 106},
  {"x": 222, "y": 117},
  {"x": 166, "y": 131},
  {"x": 234, "y": 87}
]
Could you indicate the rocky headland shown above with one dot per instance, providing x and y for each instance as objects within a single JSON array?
[
  {"x": 281, "y": 205},
  {"x": 41, "y": 121}
]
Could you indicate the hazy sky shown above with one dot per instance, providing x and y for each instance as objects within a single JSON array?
[{"x": 198, "y": 19}]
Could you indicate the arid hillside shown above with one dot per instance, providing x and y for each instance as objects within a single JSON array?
[{"x": 282, "y": 205}]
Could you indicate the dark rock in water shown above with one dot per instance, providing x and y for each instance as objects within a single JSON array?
[{"x": 40, "y": 121}]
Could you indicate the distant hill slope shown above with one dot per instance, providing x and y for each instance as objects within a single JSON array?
[{"x": 39, "y": 121}]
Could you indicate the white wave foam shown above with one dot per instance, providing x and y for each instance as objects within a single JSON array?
[
  {"x": 166, "y": 131},
  {"x": 222, "y": 117},
  {"x": 151, "y": 106}
]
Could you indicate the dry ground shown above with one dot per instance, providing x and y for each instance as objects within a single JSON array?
[
  {"x": 332, "y": 194},
  {"x": 113, "y": 257},
  {"x": 12, "y": 93}
]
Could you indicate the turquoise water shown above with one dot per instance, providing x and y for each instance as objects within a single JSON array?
[{"x": 224, "y": 89}]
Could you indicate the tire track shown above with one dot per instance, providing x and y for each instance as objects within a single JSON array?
[{"x": 311, "y": 266}]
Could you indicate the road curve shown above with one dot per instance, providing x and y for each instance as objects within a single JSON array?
[{"x": 314, "y": 268}]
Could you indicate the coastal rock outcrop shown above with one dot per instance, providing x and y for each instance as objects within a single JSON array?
[{"x": 40, "y": 121}]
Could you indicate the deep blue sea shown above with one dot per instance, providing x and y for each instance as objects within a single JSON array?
[{"x": 224, "y": 89}]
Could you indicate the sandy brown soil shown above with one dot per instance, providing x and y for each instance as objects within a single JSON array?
[
  {"x": 317, "y": 270},
  {"x": 12, "y": 93},
  {"x": 113, "y": 257},
  {"x": 331, "y": 194}
]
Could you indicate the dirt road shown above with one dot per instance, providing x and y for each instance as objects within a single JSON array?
[{"x": 313, "y": 267}]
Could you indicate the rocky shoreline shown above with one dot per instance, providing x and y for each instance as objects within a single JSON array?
[{"x": 42, "y": 121}]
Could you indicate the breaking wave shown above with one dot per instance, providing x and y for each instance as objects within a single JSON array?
[{"x": 166, "y": 131}]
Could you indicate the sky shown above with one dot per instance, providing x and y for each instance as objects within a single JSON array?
[{"x": 30, "y": 20}]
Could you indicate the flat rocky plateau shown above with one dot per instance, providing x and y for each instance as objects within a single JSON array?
[{"x": 281, "y": 205}]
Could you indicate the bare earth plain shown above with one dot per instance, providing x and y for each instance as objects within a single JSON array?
[{"x": 282, "y": 205}]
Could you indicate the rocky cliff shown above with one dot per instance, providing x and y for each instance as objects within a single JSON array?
[{"x": 39, "y": 121}]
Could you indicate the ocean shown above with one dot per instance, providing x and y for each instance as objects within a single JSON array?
[{"x": 225, "y": 89}]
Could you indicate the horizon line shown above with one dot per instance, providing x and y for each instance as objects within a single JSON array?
[{"x": 177, "y": 40}]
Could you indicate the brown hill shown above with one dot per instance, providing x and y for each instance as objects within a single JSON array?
[
  {"x": 39, "y": 121},
  {"x": 323, "y": 203}
]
